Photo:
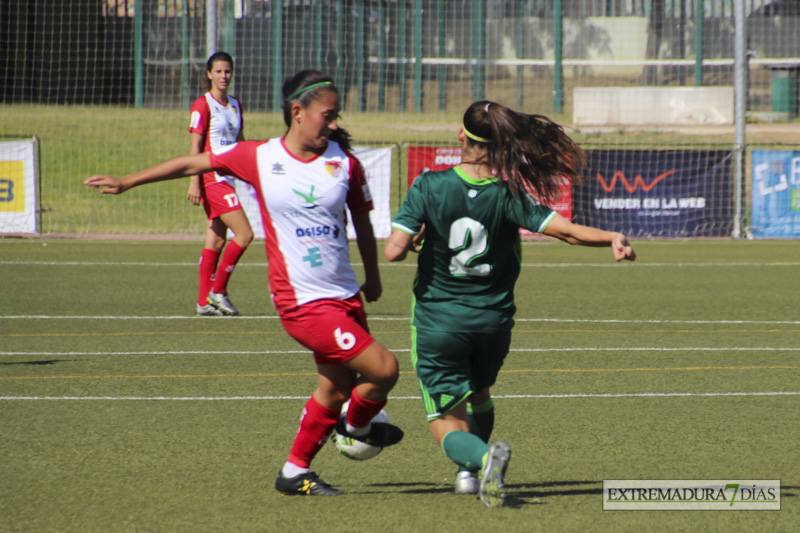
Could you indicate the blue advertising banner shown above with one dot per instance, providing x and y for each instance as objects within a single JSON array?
[
  {"x": 657, "y": 193},
  {"x": 775, "y": 194}
]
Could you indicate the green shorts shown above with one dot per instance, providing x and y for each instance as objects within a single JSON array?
[{"x": 451, "y": 366}]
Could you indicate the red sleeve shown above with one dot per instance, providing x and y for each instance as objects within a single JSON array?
[
  {"x": 239, "y": 160},
  {"x": 200, "y": 116},
  {"x": 359, "y": 199}
]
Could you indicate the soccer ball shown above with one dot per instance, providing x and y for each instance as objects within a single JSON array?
[{"x": 355, "y": 449}]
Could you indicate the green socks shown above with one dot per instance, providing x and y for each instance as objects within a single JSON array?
[{"x": 465, "y": 449}]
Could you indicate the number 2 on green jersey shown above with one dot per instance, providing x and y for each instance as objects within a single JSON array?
[{"x": 468, "y": 240}]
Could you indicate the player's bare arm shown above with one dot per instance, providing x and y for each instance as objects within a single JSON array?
[
  {"x": 368, "y": 248},
  {"x": 179, "y": 167},
  {"x": 563, "y": 229},
  {"x": 397, "y": 245},
  {"x": 196, "y": 144}
]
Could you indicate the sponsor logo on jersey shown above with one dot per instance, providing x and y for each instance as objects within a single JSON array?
[
  {"x": 310, "y": 202},
  {"x": 333, "y": 168},
  {"x": 278, "y": 169}
]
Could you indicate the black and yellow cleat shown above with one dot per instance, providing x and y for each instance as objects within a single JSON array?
[{"x": 308, "y": 484}]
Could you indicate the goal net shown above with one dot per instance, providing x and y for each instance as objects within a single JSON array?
[{"x": 106, "y": 85}]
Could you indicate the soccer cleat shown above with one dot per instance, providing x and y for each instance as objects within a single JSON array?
[
  {"x": 492, "y": 490},
  {"x": 381, "y": 434},
  {"x": 207, "y": 310},
  {"x": 222, "y": 303},
  {"x": 466, "y": 483},
  {"x": 308, "y": 484}
]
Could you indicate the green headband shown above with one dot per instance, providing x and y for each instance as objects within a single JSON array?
[
  {"x": 473, "y": 136},
  {"x": 304, "y": 89}
]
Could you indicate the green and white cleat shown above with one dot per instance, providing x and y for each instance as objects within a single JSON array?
[
  {"x": 492, "y": 488},
  {"x": 222, "y": 303},
  {"x": 466, "y": 483},
  {"x": 207, "y": 310}
]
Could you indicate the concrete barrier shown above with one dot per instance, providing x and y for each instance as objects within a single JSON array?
[{"x": 652, "y": 105}]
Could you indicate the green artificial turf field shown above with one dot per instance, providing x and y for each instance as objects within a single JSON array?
[{"x": 120, "y": 411}]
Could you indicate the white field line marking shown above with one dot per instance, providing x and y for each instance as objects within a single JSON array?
[
  {"x": 391, "y": 319},
  {"x": 508, "y": 396},
  {"x": 413, "y": 265},
  {"x": 398, "y": 350}
]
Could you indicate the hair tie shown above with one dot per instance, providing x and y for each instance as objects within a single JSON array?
[
  {"x": 305, "y": 89},
  {"x": 487, "y": 107},
  {"x": 473, "y": 136}
]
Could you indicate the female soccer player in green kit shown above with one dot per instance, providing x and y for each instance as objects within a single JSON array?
[{"x": 470, "y": 217}]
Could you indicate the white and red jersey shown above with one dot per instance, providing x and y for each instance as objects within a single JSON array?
[
  {"x": 304, "y": 211},
  {"x": 220, "y": 124}
]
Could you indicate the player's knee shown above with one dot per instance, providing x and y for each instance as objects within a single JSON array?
[
  {"x": 387, "y": 372},
  {"x": 245, "y": 238}
]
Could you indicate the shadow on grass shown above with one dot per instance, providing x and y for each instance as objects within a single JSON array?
[
  {"x": 415, "y": 488},
  {"x": 519, "y": 494},
  {"x": 34, "y": 363}
]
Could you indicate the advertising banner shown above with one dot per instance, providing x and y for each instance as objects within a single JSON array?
[
  {"x": 377, "y": 164},
  {"x": 657, "y": 193},
  {"x": 775, "y": 194},
  {"x": 432, "y": 158},
  {"x": 18, "y": 195}
]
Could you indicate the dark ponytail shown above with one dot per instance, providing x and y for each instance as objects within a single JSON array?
[
  {"x": 305, "y": 87},
  {"x": 531, "y": 152}
]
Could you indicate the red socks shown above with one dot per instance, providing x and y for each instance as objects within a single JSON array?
[
  {"x": 362, "y": 411},
  {"x": 208, "y": 266},
  {"x": 317, "y": 424},
  {"x": 233, "y": 252}
]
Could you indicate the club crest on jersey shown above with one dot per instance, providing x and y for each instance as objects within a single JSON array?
[
  {"x": 277, "y": 168},
  {"x": 333, "y": 168}
]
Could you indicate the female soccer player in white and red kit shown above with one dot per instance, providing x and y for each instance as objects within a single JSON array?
[
  {"x": 216, "y": 123},
  {"x": 305, "y": 182}
]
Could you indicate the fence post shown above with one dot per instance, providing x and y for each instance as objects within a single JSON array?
[
  {"x": 277, "y": 55},
  {"x": 698, "y": 43},
  {"x": 401, "y": 55},
  {"x": 478, "y": 48},
  {"x": 381, "y": 57},
  {"x": 339, "y": 51},
  {"x": 441, "y": 15},
  {"x": 138, "y": 55},
  {"x": 418, "y": 56},
  {"x": 740, "y": 110},
  {"x": 360, "y": 14},
  {"x": 316, "y": 16},
  {"x": 558, "y": 81},
  {"x": 518, "y": 48},
  {"x": 185, "y": 72}
]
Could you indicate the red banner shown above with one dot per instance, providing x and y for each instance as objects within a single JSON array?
[{"x": 426, "y": 158}]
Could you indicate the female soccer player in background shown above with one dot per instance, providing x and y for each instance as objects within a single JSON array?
[
  {"x": 305, "y": 181},
  {"x": 216, "y": 122},
  {"x": 469, "y": 261}
]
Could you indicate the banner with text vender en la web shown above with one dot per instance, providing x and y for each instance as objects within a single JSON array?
[{"x": 657, "y": 193}]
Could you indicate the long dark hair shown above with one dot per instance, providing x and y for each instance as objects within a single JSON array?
[
  {"x": 216, "y": 56},
  {"x": 530, "y": 152},
  {"x": 295, "y": 84}
]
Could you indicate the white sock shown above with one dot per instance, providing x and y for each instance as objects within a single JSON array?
[
  {"x": 357, "y": 432},
  {"x": 291, "y": 470}
]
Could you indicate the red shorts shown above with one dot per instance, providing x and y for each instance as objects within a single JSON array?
[
  {"x": 335, "y": 330},
  {"x": 218, "y": 198}
]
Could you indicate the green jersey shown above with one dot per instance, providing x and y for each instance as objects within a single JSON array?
[{"x": 471, "y": 256}]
